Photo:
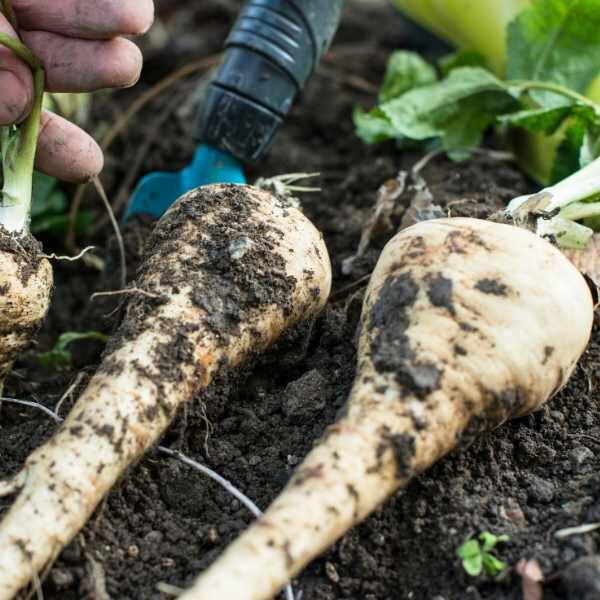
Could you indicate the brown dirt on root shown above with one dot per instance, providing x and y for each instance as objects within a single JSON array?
[
  {"x": 26, "y": 250},
  {"x": 165, "y": 523}
]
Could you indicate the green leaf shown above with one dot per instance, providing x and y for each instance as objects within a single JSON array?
[
  {"x": 405, "y": 71},
  {"x": 462, "y": 58},
  {"x": 458, "y": 109},
  {"x": 469, "y": 549},
  {"x": 60, "y": 356},
  {"x": 473, "y": 565},
  {"x": 59, "y": 224},
  {"x": 49, "y": 208},
  {"x": 540, "y": 120},
  {"x": 556, "y": 41},
  {"x": 590, "y": 146},
  {"x": 568, "y": 153},
  {"x": 47, "y": 196},
  {"x": 374, "y": 126},
  {"x": 490, "y": 540},
  {"x": 492, "y": 565}
]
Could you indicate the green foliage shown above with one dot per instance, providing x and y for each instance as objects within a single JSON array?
[
  {"x": 405, "y": 71},
  {"x": 477, "y": 557},
  {"x": 60, "y": 356},
  {"x": 555, "y": 40},
  {"x": 553, "y": 55},
  {"x": 462, "y": 58},
  {"x": 49, "y": 208}
]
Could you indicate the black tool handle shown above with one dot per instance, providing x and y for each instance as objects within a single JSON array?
[{"x": 273, "y": 49}]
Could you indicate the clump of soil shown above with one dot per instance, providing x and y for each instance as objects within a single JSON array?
[{"x": 164, "y": 522}]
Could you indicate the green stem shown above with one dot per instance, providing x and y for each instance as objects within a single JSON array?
[
  {"x": 19, "y": 149},
  {"x": 580, "y": 210},
  {"x": 22, "y": 51},
  {"x": 547, "y": 86},
  {"x": 9, "y": 13}
]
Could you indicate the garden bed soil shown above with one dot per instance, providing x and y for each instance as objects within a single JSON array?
[{"x": 164, "y": 523}]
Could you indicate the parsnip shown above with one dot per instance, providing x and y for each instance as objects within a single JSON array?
[
  {"x": 25, "y": 287},
  {"x": 226, "y": 271},
  {"x": 25, "y": 277},
  {"x": 465, "y": 324}
]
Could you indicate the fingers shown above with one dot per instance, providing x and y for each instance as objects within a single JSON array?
[
  {"x": 67, "y": 152},
  {"x": 92, "y": 19},
  {"x": 76, "y": 65},
  {"x": 16, "y": 85}
]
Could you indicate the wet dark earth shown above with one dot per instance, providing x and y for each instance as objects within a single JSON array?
[{"x": 164, "y": 523}]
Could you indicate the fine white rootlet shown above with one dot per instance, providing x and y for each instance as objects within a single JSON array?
[
  {"x": 225, "y": 272},
  {"x": 465, "y": 324}
]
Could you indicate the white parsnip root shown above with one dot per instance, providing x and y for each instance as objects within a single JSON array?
[
  {"x": 227, "y": 270},
  {"x": 25, "y": 290},
  {"x": 466, "y": 323}
]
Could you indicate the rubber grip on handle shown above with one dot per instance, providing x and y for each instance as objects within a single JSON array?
[{"x": 272, "y": 50}]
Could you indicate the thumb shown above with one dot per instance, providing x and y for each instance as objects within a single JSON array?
[{"x": 16, "y": 82}]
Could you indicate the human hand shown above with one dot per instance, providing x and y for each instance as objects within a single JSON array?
[{"x": 81, "y": 46}]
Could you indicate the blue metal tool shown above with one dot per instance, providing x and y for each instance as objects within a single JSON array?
[{"x": 272, "y": 50}]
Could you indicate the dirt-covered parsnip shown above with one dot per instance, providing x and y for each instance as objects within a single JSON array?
[
  {"x": 25, "y": 288},
  {"x": 225, "y": 272},
  {"x": 25, "y": 276},
  {"x": 465, "y": 324}
]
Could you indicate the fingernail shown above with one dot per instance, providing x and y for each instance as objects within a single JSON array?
[{"x": 14, "y": 99}]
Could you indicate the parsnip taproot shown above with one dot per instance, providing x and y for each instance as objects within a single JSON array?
[
  {"x": 25, "y": 288},
  {"x": 225, "y": 272},
  {"x": 465, "y": 324},
  {"x": 25, "y": 276}
]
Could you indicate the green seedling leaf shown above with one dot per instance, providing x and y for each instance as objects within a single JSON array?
[
  {"x": 60, "y": 356},
  {"x": 555, "y": 41},
  {"x": 473, "y": 565},
  {"x": 490, "y": 540},
  {"x": 405, "y": 71},
  {"x": 492, "y": 565},
  {"x": 476, "y": 557},
  {"x": 472, "y": 561},
  {"x": 469, "y": 549},
  {"x": 462, "y": 58},
  {"x": 457, "y": 109}
]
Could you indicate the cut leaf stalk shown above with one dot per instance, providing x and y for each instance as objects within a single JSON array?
[
  {"x": 25, "y": 275},
  {"x": 558, "y": 207},
  {"x": 19, "y": 145}
]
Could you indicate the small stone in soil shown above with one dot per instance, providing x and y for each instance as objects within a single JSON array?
[
  {"x": 578, "y": 456},
  {"x": 331, "y": 572},
  {"x": 213, "y": 535},
  {"x": 540, "y": 490},
  {"x": 305, "y": 396},
  {"x": 61, "y": 578}
]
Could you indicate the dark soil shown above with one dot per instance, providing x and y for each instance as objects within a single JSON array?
[{"x": 164, "y": 523}]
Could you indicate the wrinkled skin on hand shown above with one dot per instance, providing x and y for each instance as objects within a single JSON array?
[{"x": 82, "y": 46}]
